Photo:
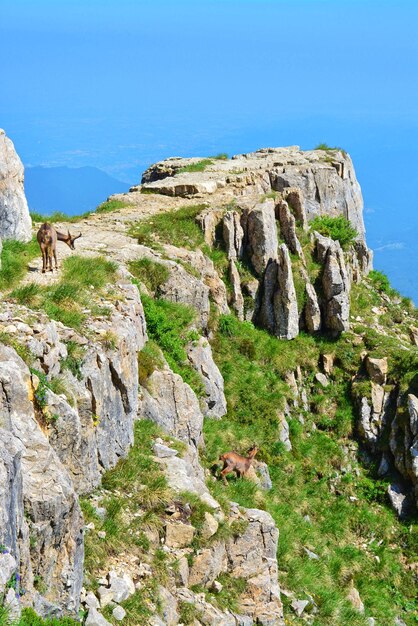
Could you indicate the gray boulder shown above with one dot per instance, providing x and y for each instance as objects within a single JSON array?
[
  {"x": 15, "y": 221},
  {"x": 200, "y": 356}
]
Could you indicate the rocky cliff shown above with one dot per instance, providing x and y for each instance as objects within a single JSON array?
[
  {"x": 15, "y": 222},
  {"x": 225, "y": 318}
]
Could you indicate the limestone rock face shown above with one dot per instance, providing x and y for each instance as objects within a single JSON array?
[
  {"x": 377, "y": 369},
  {"x": 237, "y": 297},
  {"x": 404, "y": 443},
  {"x": 209, "y": 220},
  {"x": 172, "y": 404},
  {"x": 312, "y": 310},
  {"x": 233, "y": 234},
  {"x": 278, "y": 309},
  {"x": 261, "y": 235},
  {"x": 200, "y": 356},
  {"x": 92, "y": 437},
  {"x": 186, "y": 289},
  {"x": 15, "y": 221},
  {"x": 208, "y": 275},
  {"x": 43, "y": 489},
  {"x": 253, "y": 556},
  {"x": 335, "y": 283},
  {"x": 327, "y": 188},
  {"x": 288, "y": 228}
]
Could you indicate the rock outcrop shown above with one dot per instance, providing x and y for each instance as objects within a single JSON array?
[
  {"x": 15, "y": 221},
  {"x": 43, "y": 505},
  {"x": 278, "y": 309},
  {"x": 200, "y": 356}
]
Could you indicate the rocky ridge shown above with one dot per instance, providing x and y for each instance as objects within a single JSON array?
[{"x": 58, "y": 447}]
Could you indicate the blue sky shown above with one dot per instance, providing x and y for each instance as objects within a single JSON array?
[{"x": 119, "y": 85}]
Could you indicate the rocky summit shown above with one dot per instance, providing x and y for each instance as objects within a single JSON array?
[{"x": 219, "y": 304}]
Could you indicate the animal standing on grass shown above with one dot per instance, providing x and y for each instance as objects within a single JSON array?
[
  {"x": 47, "y": 238},
  {"x": 234, "y": 462}
]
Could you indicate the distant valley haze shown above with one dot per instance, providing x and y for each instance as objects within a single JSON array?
[
  {"x": 70, "y": 190},
  {"x": 115, "y": 87}
]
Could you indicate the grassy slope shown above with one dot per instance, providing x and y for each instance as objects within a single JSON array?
[{"x": 351, "y": 528}]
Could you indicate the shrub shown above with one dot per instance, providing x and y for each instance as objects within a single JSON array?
[
  {"x": 338, "y": 228},
  {"x": 324, "y": 146},
  {"x": 149, "y": 359},
  {"x": 149, "y": 272},
  {"x": 168, "y": 324},
  {"x": 380, "y": 281},
  {"x": 15, "y": 257}
]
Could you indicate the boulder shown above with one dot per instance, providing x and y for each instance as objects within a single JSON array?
[
  {"x": 187, "y": 289},
  {"x": 171, "y": 403},
  {"x": 353, "y": 597},
  {"x": 178, "y": 535},
  {"x": 200, "y": 356},
  {"x": 377, "y": 369},
  {"x": 15, "y": 221},
  {"x": 94, "y": 618}
]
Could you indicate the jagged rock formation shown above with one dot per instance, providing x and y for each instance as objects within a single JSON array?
[
  {"x": 200, "y": 356},
  {"x": 279, "y": 310},
  {"x": 15, "y": 221},
  {"x": 315, "y": 182},
  {"x": 69, "y": 440}
]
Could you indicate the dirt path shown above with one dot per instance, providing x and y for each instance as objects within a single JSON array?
[{"x": 107, "y": 233}]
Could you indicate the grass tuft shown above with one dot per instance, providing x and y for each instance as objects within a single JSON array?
[{"x": 178, "y": 228}]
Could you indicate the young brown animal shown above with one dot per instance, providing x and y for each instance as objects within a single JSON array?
[
  {"x": 234, "y": 462},
  {"x": 47, "y": 237}
]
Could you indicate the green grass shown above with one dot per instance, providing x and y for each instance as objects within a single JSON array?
[
  {"x": 178, "y": 228},
  {"x": 105, "y": 207},
  {"x": 149, "y": 272},
  {"x": 67, "y": 300},
  {"x": 15, "y": 257},
  {"x": 313, "y": 479},
  {"x": 338, "y": 228},
  {"x": 30, "y": 618},
  {"x": 324, "y": 146},
  {"x": 136, "y": 483},
  {"x": 200, "y": 166},
  {"x": 168, "y": 324},
  {"x": 222, "y": 156}
]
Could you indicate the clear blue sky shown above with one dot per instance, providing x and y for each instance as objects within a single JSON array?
[{"x": 119, "y": 85}]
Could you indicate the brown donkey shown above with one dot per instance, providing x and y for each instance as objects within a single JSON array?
[
  {"x": 47, "y": 237},
  {"x": 234, "y": 462}
]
